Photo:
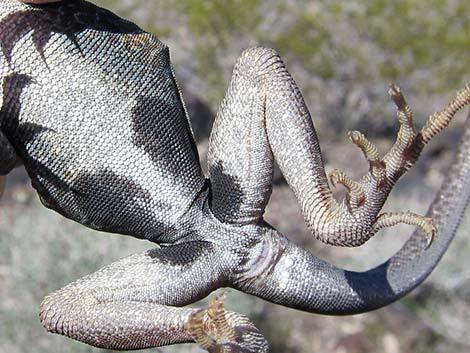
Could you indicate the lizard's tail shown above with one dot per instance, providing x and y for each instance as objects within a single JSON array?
[{"x": 302, "y": 281}]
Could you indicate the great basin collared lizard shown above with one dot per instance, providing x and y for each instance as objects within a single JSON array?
[{"x": 90, "y": 104}]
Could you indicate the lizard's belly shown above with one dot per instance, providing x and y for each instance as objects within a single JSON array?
[
  {"x": 97, "y": 118},
  {"x": 103, "y": 180},
  {"x": 97, "y": 175}
]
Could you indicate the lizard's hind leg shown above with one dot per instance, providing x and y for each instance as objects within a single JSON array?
[
  {"x": 263, "y": 116},
  {"x": 135, "y": 303}
]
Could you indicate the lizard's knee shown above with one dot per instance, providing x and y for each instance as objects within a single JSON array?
[
  {"x": 58, "y": 311},
  {"x": 259, "y": 62},
  {"x": 50, "y": 314}
]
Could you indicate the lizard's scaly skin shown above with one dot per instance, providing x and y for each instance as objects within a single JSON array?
[{"x": 90, "y": 104}]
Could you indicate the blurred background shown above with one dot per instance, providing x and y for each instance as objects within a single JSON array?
[{"x": 343, "y": 55}]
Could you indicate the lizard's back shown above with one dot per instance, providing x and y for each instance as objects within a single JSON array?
[{"x": 90, "y": 104}]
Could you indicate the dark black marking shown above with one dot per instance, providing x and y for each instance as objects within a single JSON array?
[
  {"x": 228, "y": 189},
  {"x": 68, "y": 17},
  {"x": 113, "y": 203},
  {"x": 21, "y": 134},
  {"x": 18, "y": 133},
  {"x": 371, "y": 286},
  {"x": 148, "y": 116},
  {"x": 13, "y": 86},
  {"x": 182, "y": 255},
  {"x": 160, "y": 127}
]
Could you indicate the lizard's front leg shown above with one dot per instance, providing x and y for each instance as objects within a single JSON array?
[
  {"x": 263, "y": 116},
  {"x": 133, "y": 303}
]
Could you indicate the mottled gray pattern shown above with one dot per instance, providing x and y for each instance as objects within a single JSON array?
[{"x": 90, "y": 103}]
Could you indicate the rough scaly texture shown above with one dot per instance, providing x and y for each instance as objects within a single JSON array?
[{"x": 90, "y": 104}]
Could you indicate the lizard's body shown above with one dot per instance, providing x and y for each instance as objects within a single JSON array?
[
  {"x": 161, "y": 187},
  {"x": 90, "y": 104}
]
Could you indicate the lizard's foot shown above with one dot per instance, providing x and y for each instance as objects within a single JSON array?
[
  {"x": 370, "y": 192},
  {"x": 217, "y": 330}
]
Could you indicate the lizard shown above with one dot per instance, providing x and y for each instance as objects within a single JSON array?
[{"x": 90, "y": 104}]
